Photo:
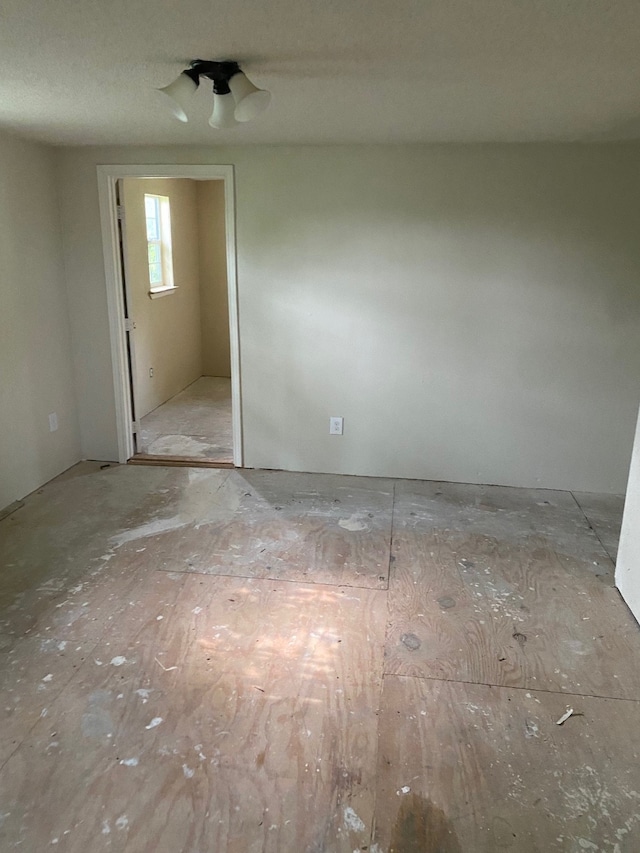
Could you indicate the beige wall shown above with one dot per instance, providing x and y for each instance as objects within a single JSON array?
[
  {"x": 167, "y": 336},
  {"x": 214, "y": 301},
  {"x": 472, "y": 312},
  {"x": 36, "y": 372}
]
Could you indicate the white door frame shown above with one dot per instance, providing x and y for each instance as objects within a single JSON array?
[{"x": 107, "y": 178}]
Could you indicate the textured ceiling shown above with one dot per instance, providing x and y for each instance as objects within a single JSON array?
[{"x": 83, "y": 71}]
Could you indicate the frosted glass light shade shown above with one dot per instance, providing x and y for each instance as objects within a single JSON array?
[
  {"x": 223, "y": 111},
  {"x": 250, "y": 101},
  {"x": 176, "y": 95}
]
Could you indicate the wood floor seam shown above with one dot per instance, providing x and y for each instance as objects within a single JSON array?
[
  {"x": 270, "y": 580},
  {"x": 391, "y": 532},
  {"x": 594, "y": 530},
  {"x": 512, "y": 687}
]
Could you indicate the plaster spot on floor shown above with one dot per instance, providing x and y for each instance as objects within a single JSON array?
[
  {"x": 130, "y": 762},
  {"x": 96, "y": 721},
  {"x": 352, "y": 821},
  {"x": 122, "y": 822},
  {"x": 531, "y": 729},
  {"x": 151, "y": 528},
  {"x": 576, "y": 647},
  {"x": 118, "y": 661},
  {"x": 188, "y": 772},
  {"x": 353, "y": 523},
  {"x": 155, "y": 722},
  {"x": 181, "y": 445}
]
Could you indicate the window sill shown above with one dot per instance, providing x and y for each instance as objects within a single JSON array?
[{"x": 164, "y": 291}]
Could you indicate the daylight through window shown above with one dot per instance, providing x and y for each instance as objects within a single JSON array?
[{"x": 158, "y": 218}]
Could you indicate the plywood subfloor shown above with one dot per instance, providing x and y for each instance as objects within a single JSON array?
[
  {"x": 195, "y": 423},
  {"x": 198, "y": 659},
  {"x": 507, "y": 587},
  {"x": 293, "y": 527},
  {"x": 469, "y": 767}
]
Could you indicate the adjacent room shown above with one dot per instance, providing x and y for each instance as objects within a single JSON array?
[
  {"x": 319, "y": 443},
  {"x": 174, "y": 245}
]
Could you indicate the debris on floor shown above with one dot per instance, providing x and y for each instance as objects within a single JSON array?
[{"x": 563, "y": 719}]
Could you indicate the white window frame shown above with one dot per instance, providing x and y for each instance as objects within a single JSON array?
[{"x": 163, "y": 242}]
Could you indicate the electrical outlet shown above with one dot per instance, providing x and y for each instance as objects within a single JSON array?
[
  {"x": 151, "y": 373},
  {"x": 53, "y": 422},
  {"x": 335, "y": 426}
]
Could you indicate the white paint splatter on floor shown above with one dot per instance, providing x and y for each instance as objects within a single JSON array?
[
  {"x": 353, "y": 523},
  {"x": 352, "y": 821}
]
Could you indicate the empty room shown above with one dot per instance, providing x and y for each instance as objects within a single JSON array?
[{"x": 319, "y": 465}]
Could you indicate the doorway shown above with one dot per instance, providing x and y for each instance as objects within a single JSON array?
[{"x": 170, "y": 263}]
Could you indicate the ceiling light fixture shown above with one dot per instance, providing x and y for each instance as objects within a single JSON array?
[{"x": 235, "y": 98}]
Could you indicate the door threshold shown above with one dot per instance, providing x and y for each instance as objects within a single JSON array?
[{"x": 178, "y": 461}]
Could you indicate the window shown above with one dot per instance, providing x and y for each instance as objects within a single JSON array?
[{"x": 158, "y": 216}]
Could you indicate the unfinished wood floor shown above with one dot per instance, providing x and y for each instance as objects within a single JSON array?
[
  {"x": 196, "y": 423},
  {"x": 202, "y": 660}
]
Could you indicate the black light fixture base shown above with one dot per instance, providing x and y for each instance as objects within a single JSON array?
[{"x": 219, "y": 72}]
